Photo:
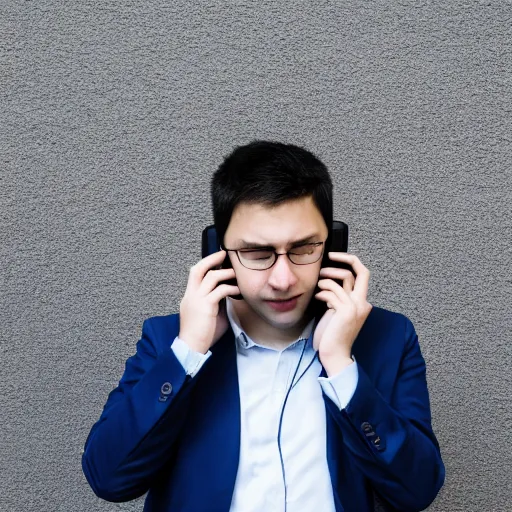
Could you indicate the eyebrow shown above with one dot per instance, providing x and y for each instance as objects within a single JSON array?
[{"x": 243, "y": 244}]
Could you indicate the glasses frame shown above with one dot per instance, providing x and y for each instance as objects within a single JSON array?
[{"x": 276, "y": 254}]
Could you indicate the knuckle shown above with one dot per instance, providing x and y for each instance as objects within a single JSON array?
[{"x": 211, "y": 298}]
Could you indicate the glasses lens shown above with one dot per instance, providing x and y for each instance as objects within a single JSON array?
[
  {"x": 256, "y": 259},
  {"x": 305, "y": 254}
]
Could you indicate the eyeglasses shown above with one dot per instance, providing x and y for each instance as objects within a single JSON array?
[{"x": 264, "y": 258}]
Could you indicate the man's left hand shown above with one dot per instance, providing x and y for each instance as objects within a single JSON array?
[{"x": 347, "y": 311}]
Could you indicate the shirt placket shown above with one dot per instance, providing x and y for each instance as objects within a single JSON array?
[{"x": 285, "y": 369}]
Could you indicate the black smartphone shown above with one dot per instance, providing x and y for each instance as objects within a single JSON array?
[
  {"x": 339, "y": 243},
  {"x": 209, "y": 244}
]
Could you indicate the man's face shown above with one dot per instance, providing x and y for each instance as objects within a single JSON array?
[{"x": 281, "y": 227}]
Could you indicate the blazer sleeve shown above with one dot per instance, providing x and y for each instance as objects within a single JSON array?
[
  {"x": 392, "y": 441},
  {"x": 138, "y": 428}
]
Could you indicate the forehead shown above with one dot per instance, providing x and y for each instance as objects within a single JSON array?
[{"x": 287, "y": 222}]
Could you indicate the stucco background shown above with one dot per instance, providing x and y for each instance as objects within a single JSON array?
[{"x": 114, "y": 116}]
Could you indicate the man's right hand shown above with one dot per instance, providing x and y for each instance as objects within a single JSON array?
[{"x": 202, "y": 320}]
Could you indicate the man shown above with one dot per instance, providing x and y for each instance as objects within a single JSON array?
[{"x": 256, "y": 403}]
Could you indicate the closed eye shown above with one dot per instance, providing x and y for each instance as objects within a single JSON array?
[
  {"x": 257, "y": 254},
  {"x": 305, "y": 248}
]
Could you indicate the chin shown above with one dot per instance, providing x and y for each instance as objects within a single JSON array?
[{"x": 282, "y": 323}]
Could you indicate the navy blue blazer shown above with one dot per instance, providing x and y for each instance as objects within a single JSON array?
[{"x": 179, "y": 438}]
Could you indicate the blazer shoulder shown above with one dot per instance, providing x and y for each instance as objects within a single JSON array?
[
  {"x": 388, "y": 317},
  {"x": 381, "y": 345},
  {"x": 161, "y": 329},
  {"x": 384, "y": 317},
  {"x": 385, "y": 327}
]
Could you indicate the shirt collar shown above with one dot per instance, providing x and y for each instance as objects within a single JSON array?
[{"x": 243, "y": 340}]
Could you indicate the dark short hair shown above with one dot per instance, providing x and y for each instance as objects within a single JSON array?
[{"x": 269, "y": 173}]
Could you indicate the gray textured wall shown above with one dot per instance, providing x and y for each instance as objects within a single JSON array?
[{"x": 115, "y": 114}]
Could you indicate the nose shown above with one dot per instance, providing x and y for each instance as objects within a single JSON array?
[{"x": 281, "y": 274}]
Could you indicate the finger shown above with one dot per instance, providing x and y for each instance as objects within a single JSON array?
[
  {"x": 213, "y": 278},
  {"x": 361, "y": 284},
  {"x": 362, "y": 273},
  {"x": 346, "y": 257},
  {"x": 348, "y": 283},
  {"x": 222, "y": 291},
  {"x": 198, "y": 271},
  {"x": 330, "y": 298},
  {"x": 340, "y": 275},
  {"x": 335, "y": 273},
  {"x": 332, "y": 286}
]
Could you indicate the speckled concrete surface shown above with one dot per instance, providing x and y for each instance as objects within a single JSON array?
[{"x": 113, "y": 117}]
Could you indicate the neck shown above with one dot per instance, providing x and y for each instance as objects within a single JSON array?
[{"x": 264, "y": 333}]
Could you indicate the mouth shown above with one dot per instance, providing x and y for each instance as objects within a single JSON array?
[{"x": 283, "y": 304}]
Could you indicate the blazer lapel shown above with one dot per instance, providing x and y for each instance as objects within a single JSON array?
[{"x": 215, "y": 425}]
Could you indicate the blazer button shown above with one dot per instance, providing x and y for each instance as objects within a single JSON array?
[
  {"x": 366, "y": 427},
  {"x": 166, "y": 388},
  {"x": 376, "y": 442}
]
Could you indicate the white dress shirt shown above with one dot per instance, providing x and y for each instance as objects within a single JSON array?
[{"x": 264, "y": 377}]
